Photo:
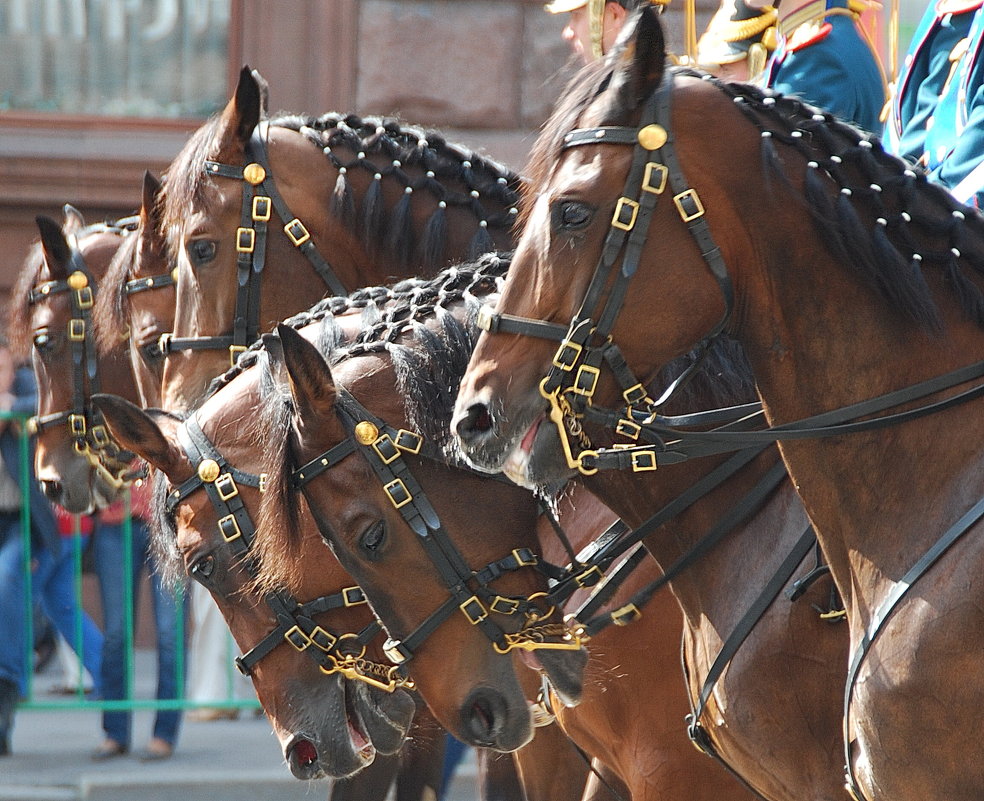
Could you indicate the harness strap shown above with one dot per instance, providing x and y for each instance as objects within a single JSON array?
[
  {"x": 882, "y": 613},
  {"x": 740, "y": 633}
]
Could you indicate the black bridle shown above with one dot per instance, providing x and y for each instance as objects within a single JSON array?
[
  {"x": 260, "y": 199},
  {"x": 469, "y": 592},
  {"x": 86, "y": 426},
  {"x": 344, "y": 653}
]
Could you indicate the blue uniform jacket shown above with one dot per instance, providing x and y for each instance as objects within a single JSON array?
[
  {"x": 937, "y": 115},
  {"x": 834, "y": 69}
]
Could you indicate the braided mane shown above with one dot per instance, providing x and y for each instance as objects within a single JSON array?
[
  {"x": 875, "y": 212},
  {"x": 385, "y": 150}
]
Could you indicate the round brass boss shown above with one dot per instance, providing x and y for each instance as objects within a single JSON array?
[
  {"x": 208, "y": 470},
  {"x": 652, "y": 137},
  {"x": 366, "y": 433},
  {"x": 78, "y": 280},
  {"x": 254, "y": 173}
]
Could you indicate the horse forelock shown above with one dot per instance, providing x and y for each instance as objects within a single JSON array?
[
  {"x": 110, "y": 313},
  {"x": 164, "y": 534}
]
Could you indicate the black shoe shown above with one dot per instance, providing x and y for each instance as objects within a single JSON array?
[{"x": 9, "y": 695}]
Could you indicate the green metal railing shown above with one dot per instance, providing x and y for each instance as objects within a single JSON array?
[{"x": 80, "y": 699}]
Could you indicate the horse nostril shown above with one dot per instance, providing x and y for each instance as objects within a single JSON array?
[
  {"x": 476, "y": 421},
  {"x": 483, "y": 713}
]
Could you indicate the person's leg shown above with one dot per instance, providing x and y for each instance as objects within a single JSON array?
[
  {"x": 114, "y": 573},
  {"x": 58, "y": 600},
  {"x": 170, "y": 620},
  {"x": 12, "y": 624}
]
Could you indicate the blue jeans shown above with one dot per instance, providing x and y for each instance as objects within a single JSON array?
[
  {"x": 53, "y": 588},
  {"x": 109, "y": 558}
]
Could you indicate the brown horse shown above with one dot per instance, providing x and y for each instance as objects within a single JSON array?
[
  {"x": 359, "y": 202},
  {"x": 864, "y": 295},
  {"x": 138, "y": 296},
  {"x": 627, "y": 705},
  {"x": 309, "y": 737},
  {"x": 78, "y": 465}
]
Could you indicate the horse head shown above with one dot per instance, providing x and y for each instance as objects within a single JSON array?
[{"x": 328, "y": 723}]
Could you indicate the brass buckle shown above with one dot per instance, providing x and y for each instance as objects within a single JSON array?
[
  {"x": 84, "y": 297},
  {"x": 504, "y": 606},
  {"x": 628, "y": 428},
  {"x": 397, "y": 488},
  {"x": 522, "y": 559},
  {"x": 100, "y": 437},
  {"x": 229, "y": 528},
  {"x": 586, "y": 380},
  {"x": 353, "y": 596},
  {"x": 296, "y": 232},
  {"x": 297, "y": 638},
  {"x": 635, "y": 394},
  {"x": 261, "y": 208},
  {"x": 589, "y": 577},
  {"x": 475, "y": 616},
  {"x": 485, "y": 317},
  {"x": 643, "y": 461},
  {"x": 386, "y": 449},
  {"x": 245, "y": 240},
  {"x": 408, "y": 441},
  {"x": 625, "y": 615},
  {"x": 632, "y": 206},
  {"x": 322, "y": 639},
  {"x": 76, "y": 424},
  {"x": 225, "y": 485},
  {"x": 697, "y": 209},
  {"x": 234, "y": 351},
  {"x": 262, "y": 482},
  {"x": 661, "y": 173},
  {"x": 76, "y": 329},
  {"x": 569, "y": 349}
]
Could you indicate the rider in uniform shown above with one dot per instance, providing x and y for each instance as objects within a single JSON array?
[
  {"x": 937, "y": 116},
  {"x": 820, "y": 54},
  {"x": 594, "y": 24}
]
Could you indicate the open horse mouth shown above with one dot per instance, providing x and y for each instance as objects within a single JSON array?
[{"x": 517, "y": 464}]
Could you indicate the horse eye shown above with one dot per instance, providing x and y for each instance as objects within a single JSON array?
[
  {"x": 203, "y": 569},
  {"x": 201, "y": 251},
  {"x": 372, "y": 540},
  {"x": 42, "y": 342},
  {"x": 572, "y": 216}
]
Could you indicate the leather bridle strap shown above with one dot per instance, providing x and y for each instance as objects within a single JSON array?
[
  {"x": 260, "y": 198},
  {"x": 884, "y": 611},
  {"x": 295, "y": 621},
  {"x": 383, "y": 447}
]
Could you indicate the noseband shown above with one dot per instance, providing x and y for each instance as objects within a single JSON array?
[
  {"x": 85, "y": 424},
  {"x": 333, "y": 653},
  {"x": 384, "y": 448},
  {"x": 570, "y": 385},
  {"x": 260, "y": 199}
]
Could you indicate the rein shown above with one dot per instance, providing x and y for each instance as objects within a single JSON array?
[
  {"x": 260, "y": 198},
  {"x": 334, "y": 653},
  {"x": 86, "y": 426},
  {"x": 384, "y": 448}
]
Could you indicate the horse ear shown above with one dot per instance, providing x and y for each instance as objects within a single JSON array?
[
  {"x": 148, "y": 200},
  {"x": 134, "y": 429},
  {"x": 74, "y": 221},
  {"x": 57, "y": 251},
  {"x": 640, "y": 57},
  {"x": 241, "y": 114},
  {"x": 309, "y": 376},
  {"x": 264, "y": 88}
]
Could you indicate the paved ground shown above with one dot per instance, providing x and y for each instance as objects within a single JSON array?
[{"x": 215, "y": 761}]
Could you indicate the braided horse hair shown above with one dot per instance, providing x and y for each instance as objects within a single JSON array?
[
  {"x": 876, "y": 212},
  {"x": 384, "y": 149}
]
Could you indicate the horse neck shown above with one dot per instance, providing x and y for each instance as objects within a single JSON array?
[
  {"x": 722, "y": 583},
  {"x": 819, "y": 339}
]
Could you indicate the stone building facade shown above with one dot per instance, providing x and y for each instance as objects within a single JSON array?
[{"x": 485, "y": 72}]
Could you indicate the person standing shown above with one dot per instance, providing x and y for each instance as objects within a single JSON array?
[
  {"x": 50, "y": 560},
  {"x": 937, "y": 114}
]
